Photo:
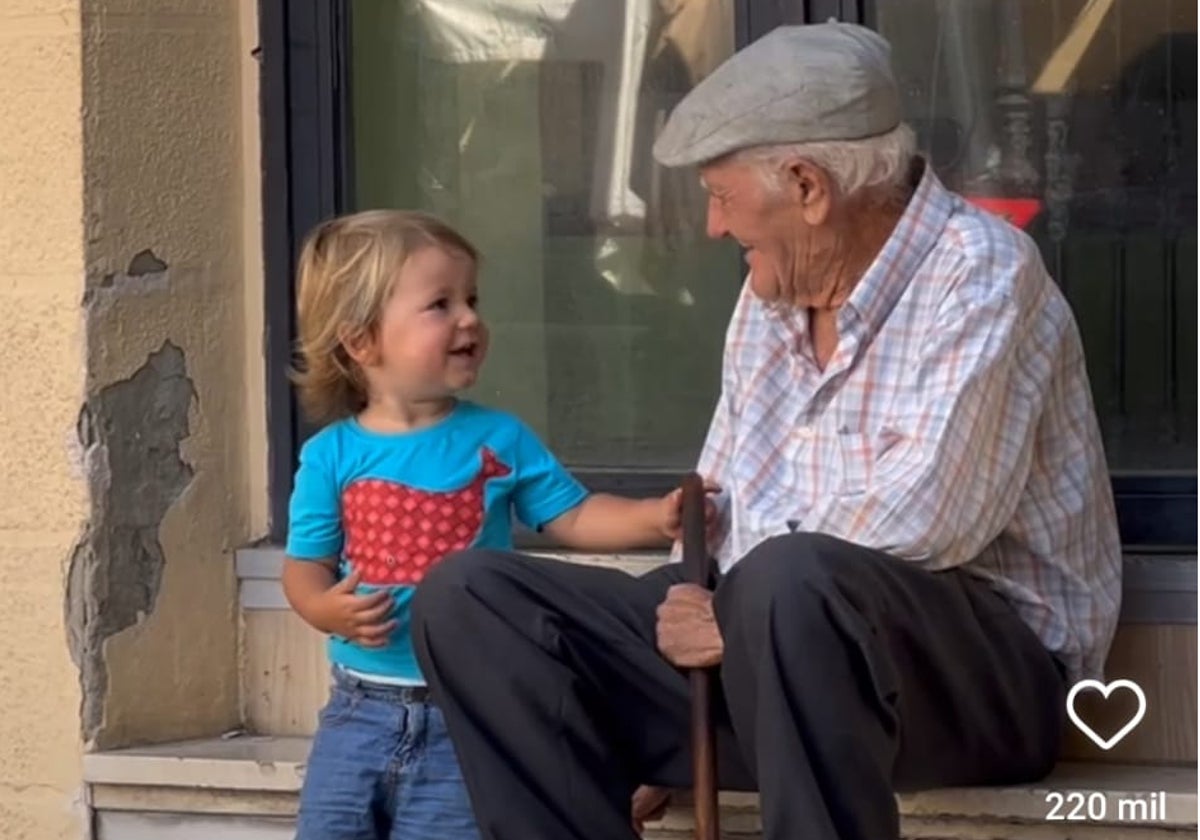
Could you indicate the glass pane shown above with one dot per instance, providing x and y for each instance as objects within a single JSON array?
[
  {"x": 528, "y": 124},
  {"x": 1080, "y": 116}
]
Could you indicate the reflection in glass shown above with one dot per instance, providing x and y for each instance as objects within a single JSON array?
[
  {"x": 1078, "y": 118},
  {"x": 529, "y": 124}
]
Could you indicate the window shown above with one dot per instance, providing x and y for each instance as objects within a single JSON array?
[
  {"x": 529, "y": 125},
  {"x": 1079, "y": 119}
]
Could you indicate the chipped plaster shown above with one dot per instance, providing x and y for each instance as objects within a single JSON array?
[{"x": 131, "y": 432}]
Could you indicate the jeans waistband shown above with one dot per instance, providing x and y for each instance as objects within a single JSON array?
[{"x": 381, "y": 691}]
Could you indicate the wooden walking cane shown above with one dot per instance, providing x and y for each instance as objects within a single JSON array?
[{"x": 704, "y": 747}]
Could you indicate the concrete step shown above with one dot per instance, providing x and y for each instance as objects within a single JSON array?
[{"x": 247, "y": 787}]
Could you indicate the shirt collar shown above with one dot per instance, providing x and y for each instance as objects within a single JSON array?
[{"x": 916, "y": 233}]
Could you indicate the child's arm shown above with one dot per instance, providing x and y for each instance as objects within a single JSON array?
[
  {"x": 332, "y": 606},
  {"x": 603, "y": 522},
  {"x": 549, "y": 499},
  {"x": 611, "y": 523}
]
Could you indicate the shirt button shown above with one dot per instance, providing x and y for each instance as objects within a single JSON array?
[{"x": 805, "y": 432}]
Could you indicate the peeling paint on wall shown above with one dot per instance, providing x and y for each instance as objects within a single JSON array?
[
  {"x": 145, "y": 262},
  {"x": 130, "y": 432},
  {"x": 146, "y": 273}
]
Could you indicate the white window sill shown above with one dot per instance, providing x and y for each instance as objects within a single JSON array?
[
  {"x": 243, "y": 762},
  {"x": 1158, "y": 588}
]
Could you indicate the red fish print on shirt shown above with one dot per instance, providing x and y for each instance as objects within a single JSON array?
[{"x": 395, "y": 533}]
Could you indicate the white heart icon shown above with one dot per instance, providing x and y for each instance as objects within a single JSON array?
[{"x": 1106, "y": 690}]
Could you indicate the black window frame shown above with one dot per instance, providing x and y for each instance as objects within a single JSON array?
[{"x": 307, "y": 171}]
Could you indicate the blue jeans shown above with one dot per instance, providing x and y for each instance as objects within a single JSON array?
[{"x": 382, "y": 768}]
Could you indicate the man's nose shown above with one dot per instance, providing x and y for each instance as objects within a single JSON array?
[{"x": 716, "y": 226}]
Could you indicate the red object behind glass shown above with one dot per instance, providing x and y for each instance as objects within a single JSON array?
[{"x": 1017, "y": 211}]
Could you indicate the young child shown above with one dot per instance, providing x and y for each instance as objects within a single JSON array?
[{"x": 404, "y": 473}]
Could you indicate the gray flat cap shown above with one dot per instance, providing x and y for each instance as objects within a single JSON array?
[{"x": 796, "y": 84}]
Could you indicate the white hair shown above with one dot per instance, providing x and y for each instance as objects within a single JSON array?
[{"x": 879, "y": 163}]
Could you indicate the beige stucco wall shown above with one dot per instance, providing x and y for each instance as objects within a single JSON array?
[
  {"x": 168, "y": 170},
  {"x": 129, "y": 289},
  {"x": 43, "y": 498}
]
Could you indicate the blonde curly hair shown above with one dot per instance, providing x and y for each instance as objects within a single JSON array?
[{"x": 346, "y": 271}]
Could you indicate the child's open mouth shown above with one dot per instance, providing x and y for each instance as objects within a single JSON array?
[{"x": 467, "y": 351}]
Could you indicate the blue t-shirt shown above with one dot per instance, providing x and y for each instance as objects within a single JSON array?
[{"x": 393, "y": 505}]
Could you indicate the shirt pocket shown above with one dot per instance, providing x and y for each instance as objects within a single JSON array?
[{"x": 854, "y": 453}]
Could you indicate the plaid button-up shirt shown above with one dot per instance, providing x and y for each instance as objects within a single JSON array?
[{"x": 953, "y": 425}]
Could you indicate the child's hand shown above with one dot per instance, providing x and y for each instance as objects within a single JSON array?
[
  {"x": 649, "y": 803},
  {"x": 358, "y": 618},
  {"x": 672, "y": 512}
]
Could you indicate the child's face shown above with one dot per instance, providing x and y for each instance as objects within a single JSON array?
[{"x": 430, "y": 342}]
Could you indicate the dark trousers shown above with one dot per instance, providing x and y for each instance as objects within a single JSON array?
[{"x": 847, "y": 675}]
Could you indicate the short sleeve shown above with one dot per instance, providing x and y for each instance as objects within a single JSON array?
[
  {"x": 544, "y": 489},
  {"x": 314, "y": 513}
]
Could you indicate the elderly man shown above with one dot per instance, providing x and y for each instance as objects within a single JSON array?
[{"x": 917, "y": 545}]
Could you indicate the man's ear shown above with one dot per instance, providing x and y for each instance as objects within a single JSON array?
[
  {"x": 359, "y": 345},
  {"x": 813, "y": 188}
]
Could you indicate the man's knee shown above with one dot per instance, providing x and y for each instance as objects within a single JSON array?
[
  {"x": 447, "y": 587},
  {"x": 797, "y": 596},
  {"x": 785, "y": 565}
]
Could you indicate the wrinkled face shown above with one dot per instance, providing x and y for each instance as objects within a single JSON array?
[
  {"x": 430, "y": 342},
  {"x": 776, "y": 226}
]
